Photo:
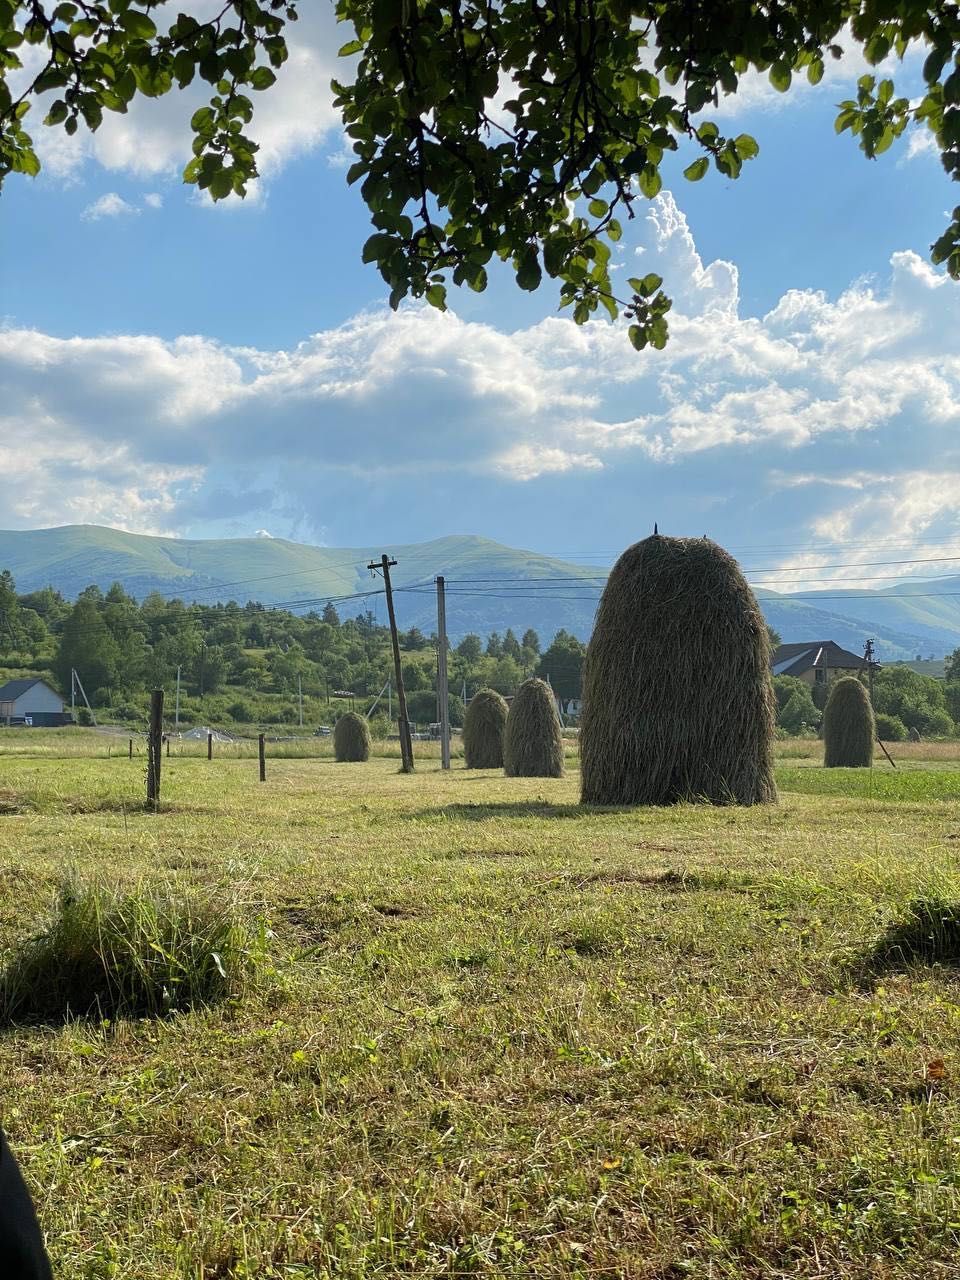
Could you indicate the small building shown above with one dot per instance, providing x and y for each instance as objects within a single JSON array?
[
  {"x": 816, "y": 661},
  {"x": 33, "y": 703}
]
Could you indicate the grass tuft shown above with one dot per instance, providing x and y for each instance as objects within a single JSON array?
[
  {"x": 927, "y": 930},
  {"x": 138, "y": 954}
]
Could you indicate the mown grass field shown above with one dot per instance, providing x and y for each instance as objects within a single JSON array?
[{"x": 503, "y": 1036}]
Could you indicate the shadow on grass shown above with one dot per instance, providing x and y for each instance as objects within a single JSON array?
[
  {"x": 927, "y": 931},
  {"x": 481, "y": 812}
]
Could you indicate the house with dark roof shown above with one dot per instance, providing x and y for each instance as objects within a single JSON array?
[
  {"x": 816, "y": 661},
  {"x": 32, "y": 702}
]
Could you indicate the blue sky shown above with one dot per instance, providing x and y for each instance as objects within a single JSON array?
[{"x": 167, "y": 366}]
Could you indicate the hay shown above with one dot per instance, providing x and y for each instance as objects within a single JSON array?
[
  {"x": 532, "y": 741},
  {"x": 678, "y": 701},
  {"x": 351, "y": 738},
  {"x": 483, "y": 726},
  {"x": 848, "y": 726}
]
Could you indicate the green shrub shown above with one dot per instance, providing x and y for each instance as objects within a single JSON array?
[
  {"x": 351, "y": 738},
  {"x": 483, "y": 725},
  {"x": 890, "y": 728},
  {"x": 848, "y": 726},
  {"x": 241, "y": 712},
  {"x": 84, "y": 717},
  {"x": 678, "y": 703},
  {"x": 798, "y": 713},
  {"x": 140, "y": 954},
  {"x": 532, "y": 741}
]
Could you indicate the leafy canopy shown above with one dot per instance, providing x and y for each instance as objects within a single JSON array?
[{"x": 525, "y": 130}]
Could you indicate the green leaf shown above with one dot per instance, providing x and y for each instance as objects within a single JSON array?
[
  {"x": 780, "y": 76},
  {"x": 528, "y": 271},
  {"x": 262, "y": 78},
  {"x": 637, "y": 336},
  {"x": 437, "y": 297},
  {"x": 598, "y": 207},
  {"x": 137, "y": 24},
  {"x": 650, "y": 283},
  {"x": 694, "y": 172},
  {"x": 614, "y": 230},
  {"x": 650, "y": 181},
  {"x": 815, "y": 71},
  {"x": 747, "y": 147}
]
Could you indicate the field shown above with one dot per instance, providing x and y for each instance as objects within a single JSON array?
[{"x": 499, "y": 1035}]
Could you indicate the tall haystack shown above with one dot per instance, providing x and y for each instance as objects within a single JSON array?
[
  {"x": 532, "y": 741},
  {"x": 678, "y": 702},
  {"x": 483, "y": 725},
  {"x": 848, "y": 726},
  {"x": 351, "y": 738}
]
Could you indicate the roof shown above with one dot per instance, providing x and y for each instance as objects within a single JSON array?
[
  {"x": 15, "y": 689},
  {"x": 793, "y": 659}
]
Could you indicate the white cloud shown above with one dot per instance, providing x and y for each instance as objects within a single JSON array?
[
  {"x": 153, "y": 200},
  {"x": 840, "y": 413},
  {"x": 108, "y": 206},
  {"x": 153, "y": 138}
]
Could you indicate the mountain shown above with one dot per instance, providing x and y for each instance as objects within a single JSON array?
[{"x": 489, "y": 586}]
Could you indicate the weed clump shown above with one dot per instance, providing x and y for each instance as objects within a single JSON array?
[
  {"x": 678, "y": 701},
  {"x": 351, "y": 738},
  {"x": 532, "y": 741},
  {"x": 139, "y": 954},
  {"x": 926, "y": 930},
  {"x": 848, "y": 726},
  {"x": 483, "y": 727}
]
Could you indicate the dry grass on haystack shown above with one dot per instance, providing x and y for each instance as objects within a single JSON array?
[
  {"x": 678, "y": 702},
  {"x": 848, "y": 726},
  {"x": 532, "y": 741},
  {"x": 483, "y": 725}
]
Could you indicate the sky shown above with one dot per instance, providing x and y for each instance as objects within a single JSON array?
[{"x": 169, "y": 366}]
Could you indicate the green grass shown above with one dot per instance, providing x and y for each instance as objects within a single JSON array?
[{"x": 508, "y": 1036}]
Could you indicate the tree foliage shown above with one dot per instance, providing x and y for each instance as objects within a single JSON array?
[{"x": 523, "y": 131}]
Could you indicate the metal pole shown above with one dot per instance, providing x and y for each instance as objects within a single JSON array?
[
  {"x": 154, "y": 754},
  {"x": 443, "y": 692},
  {"x": 300, "y": 696}
]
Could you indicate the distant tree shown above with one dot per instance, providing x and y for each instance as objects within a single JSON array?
[
  {"x": 330, "y": 615},
  {"x": 87, "y": 645},
  {"x": 563, "y": 664},
  {"x": 774, "y": 637},
  {"x": 470, "y": 648},
  {"x": 952, "y": 667},
  {"x": 494, "y": 645},
  {"x": 9, "y": 613},
  {"x": 412, "y": 639},
  {"x": 798, "y": 713},
  {"x": 919, "y": 701},
  {"x": 511, "y": 645},
  {"x": 531, "y": 640}
]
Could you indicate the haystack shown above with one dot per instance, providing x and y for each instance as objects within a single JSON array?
[
  {"x": 532, "y": 741},
  {"x": 483, "y": 725},
  {"x": 351, "y": 738},
  {"x": 848, "y": 726},
  {"x": 678, "y": 702}
]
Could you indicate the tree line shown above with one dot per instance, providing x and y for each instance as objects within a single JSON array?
[{"x": 251, "y": 663}]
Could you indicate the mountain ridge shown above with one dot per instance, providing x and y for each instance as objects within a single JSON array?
[{"x": 490, "y": 586}]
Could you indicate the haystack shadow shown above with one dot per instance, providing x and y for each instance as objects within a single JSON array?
[{"x": 481, "y": 812}]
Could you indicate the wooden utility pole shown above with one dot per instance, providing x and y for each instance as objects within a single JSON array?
[
  {"x": 406, "y": 743},
  {"x": 263, "y": 760},
  {"x": 443, "y": 691},
  {"x": 872, "y": 664},
  {"x": 154, "y": 742}
]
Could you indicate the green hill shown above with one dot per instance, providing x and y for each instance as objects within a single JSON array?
[{"x": 490, "y": 586}]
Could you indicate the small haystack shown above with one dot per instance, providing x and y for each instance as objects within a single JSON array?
[
  {"x": 678, "y": 702},
  {"x": 483, "y": 725},
  {"x": 849, "y": 730},
  {"x": 532, "y": 741},
  {"x": 351, "y": 738}
]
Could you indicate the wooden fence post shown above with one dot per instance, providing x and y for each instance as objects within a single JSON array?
[
  {"x": 154, "y": 745},
  {"x": 209, "y": 746},
  {"x": 131, "y": 749},
  {"x": 263, "y": 761}
]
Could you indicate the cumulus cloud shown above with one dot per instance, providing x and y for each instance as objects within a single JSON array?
[
  {"x": 835, "y": 417},
  {"x": 110, "y": 205},
  {"x": 153, "y": 138}
]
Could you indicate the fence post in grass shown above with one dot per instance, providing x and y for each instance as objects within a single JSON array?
[
  {"x": 209, "y": 746},
  {"x": 168, "y": 746},
  {"x": 263, "y": 760},
  {"x": 131, "y": 749},
  {"x": 154, "y": 748}
]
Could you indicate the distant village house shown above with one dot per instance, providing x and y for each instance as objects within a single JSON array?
[
  {"x": 33, "y": 704},
  {"x": 816, "y": 662}
]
